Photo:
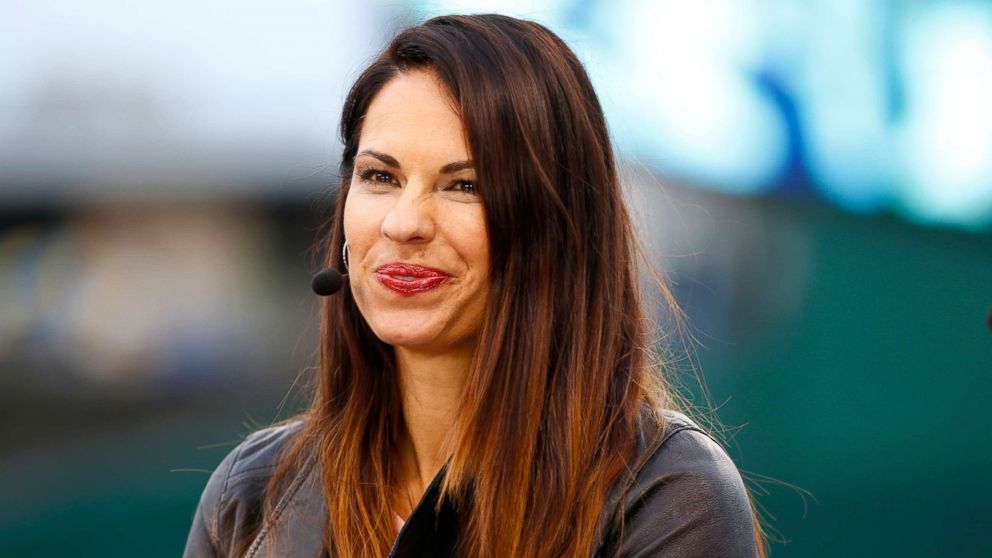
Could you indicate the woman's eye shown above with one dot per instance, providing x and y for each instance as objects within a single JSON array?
[
  {"x": 376, "y": 176},
  {"x": 463, "y": 186}
]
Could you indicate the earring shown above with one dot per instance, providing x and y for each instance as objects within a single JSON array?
[{"x": 344, "y": 254}]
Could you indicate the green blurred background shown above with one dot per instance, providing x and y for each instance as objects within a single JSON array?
[{"x": 164, "y": 171}]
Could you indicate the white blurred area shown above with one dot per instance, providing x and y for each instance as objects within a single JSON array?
[
  {"x": 106, "y": 100},
  {"x": 872, "y": 106}
]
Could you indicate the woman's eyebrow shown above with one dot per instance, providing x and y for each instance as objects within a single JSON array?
[
  {"x": 391, "y": 161},
  {"x": 387, "y": 159},
  {"x": 456, "y": 166}
]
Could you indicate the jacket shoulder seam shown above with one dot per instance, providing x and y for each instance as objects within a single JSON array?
[
  {"x": 655, "y": 448},
  {"x": 233, "y": 477},
  {"x": 278, "y": 510},
  {"x": 221, "y": 497},
  {"x": 246, "y": 474}
]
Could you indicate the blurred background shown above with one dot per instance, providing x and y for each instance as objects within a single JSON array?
[{"x": 814, "y": 178}]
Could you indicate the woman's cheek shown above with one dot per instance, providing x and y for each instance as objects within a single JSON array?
[{"x": 360, "y": 227}]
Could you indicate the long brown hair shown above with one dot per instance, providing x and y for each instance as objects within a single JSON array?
[{"x": 562, "y": 383}]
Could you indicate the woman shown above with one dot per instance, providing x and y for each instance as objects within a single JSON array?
[{"x": 484, "y": 386}]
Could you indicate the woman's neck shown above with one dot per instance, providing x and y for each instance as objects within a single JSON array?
[{"x": 431, "y": 389}]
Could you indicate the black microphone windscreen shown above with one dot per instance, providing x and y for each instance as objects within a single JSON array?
[{"x": 326, "y": 282}]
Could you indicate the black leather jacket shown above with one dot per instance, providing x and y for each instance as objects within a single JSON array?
[{"x": 686, "y": 501}]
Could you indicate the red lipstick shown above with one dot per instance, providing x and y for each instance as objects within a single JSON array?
[{"x": 409, "y": 279}]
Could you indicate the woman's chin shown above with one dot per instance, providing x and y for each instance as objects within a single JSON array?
[
  {"x": 424, "y": 340},
  {"x": 436, "y": 329},
  {"x": 412, "y": 337},
  {"x": 406, "y": 341}
]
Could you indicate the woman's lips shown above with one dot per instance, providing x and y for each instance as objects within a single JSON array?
[{"x": 409, "y": 279}]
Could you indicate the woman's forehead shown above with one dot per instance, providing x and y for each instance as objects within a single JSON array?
[
  {"x": 412, "y": 103},
  {"x": 413, "y": 107}
]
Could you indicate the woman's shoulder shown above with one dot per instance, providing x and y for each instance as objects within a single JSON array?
[
  {"x": 258, "y": 454},
  {"x": 687, "y": 450},
  {"x": 231, "y": 500},
  {"x": 254, "y": 459},
  {"x": 685, "y": 493}
]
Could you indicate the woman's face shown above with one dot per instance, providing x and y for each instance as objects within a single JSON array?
[{"x": 418, "y": 259}]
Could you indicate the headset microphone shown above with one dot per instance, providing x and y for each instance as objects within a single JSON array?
[{"x": 327, "y": 282}]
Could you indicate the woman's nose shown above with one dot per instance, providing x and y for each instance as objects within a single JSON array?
[{"x": 410, "y": 219}]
